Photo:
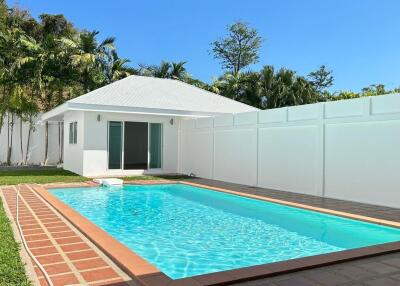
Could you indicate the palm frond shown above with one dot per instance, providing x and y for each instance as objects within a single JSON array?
[{"x": 108, "y": 43}]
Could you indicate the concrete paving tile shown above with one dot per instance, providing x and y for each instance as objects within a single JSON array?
[
  {"x": 327, "y": 278},
  {"x": 298, "y": 281},
  {"x": 395, "y": 261},
  {"x": 382, "y": 282},
  {"x": 378, "y": 267}
]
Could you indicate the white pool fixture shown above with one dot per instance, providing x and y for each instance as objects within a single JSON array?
[{"x": 109, "y": 182}]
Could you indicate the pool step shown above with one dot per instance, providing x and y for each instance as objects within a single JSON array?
[{"x": 109, "y": 182}]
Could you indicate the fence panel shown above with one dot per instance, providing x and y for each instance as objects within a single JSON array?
[{"x": 346, "y": 149}]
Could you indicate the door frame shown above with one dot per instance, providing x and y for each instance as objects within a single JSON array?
[{"x": 123, "y": 145}]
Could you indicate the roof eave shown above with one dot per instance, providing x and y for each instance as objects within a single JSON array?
[{"x": 56, "y": 112}]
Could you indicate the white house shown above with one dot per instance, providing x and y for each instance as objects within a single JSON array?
[
  {"x": 132, "y": 126},
  {"x": 347, "y": 149}
]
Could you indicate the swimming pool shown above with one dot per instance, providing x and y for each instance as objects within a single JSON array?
[{"x": 186, "y": 231}]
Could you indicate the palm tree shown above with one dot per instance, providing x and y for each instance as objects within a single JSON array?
[
  {"x": 48, "y": 60},
  {"x": 161, "y": 71},
  {"x": 30, "y": 111},
  {"x": 87, "y": 56},
  {"x": 11, "y": 40},
  {"x": 240, "y": 86},
  {"x": 178, "y": 71},
  {"x": 174, "y": 70},
  {"x": 305, "y": 91},
  {"x": 266, "y": 84},
  {"x": 40, "y": 57},
  {"x": 231, "y": 84},
  {"x": 285, "y": 88},
  {"x": 252, "y": 93},
  {"x": 284, "y": 81},
  {"x": 3, "y": 110},
  {"x": 17, "y": 99},
  {"x": 116, "y": 68}
]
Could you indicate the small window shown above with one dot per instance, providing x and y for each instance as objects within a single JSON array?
[{"x": 73, "y": 132}]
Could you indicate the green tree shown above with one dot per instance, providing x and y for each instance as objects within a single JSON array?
[
  {"x": 285, "y": 88},
  {"x": 178, "y": 71},
  {"x": 48, "y": 62},
  {"x": 252, "y": 93},
  {"x": 44, "y": 63},
  {"x": 232, "y": 85},
  {"x": 374, "y": 89},
  {"x": 56, "y": 26},
  {"x": 87, "y": 57},
  {"x": 11, "y": 49},
  {"x": 116, "y": 68},
  {"x": 239, "y": 48},
  {"x": 30, "y": 110},
  {"x": 267, "y": 88},
  {"x": 40, "y": 58},
  {"x": 173, "y": 70},
  {"x": 161, "y": 71},
  {"x": 344, "y": 95},
  {"x": 198, "y": 83},
  {"x": 321, "y": 79},
  {"x": 3, "y": 15},
  {"x": 241, "y": 86}
]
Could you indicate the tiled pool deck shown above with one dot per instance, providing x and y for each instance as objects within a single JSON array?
[
  {"x": 68, "y": 257},
  {"x": 71, "y": 259}
]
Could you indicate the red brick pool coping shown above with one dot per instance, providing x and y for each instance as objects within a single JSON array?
[
  {"x": 67, "y": 256},
  {"x": 146, "y": 274}
]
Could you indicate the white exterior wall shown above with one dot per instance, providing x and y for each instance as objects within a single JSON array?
[
  {"x": 90, "y": 156},
  {"x": 36, "y": 145},
  {"x": 346, "y": 149},
  {"x": 73, "y": 153}
]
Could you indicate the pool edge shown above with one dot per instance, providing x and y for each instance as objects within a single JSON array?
[
  {"x": 123, "y": 256},
  {"x": 300, "y": 206},
  {"x": 137, "y": 267}
]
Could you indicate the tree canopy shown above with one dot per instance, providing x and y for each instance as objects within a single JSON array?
[
  {"x": 239, "y": 48},
  {"x": 321, "y": 79},
  {"x": 46, "y": 61}
]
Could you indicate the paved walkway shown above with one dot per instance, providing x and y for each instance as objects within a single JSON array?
[
  {"x": 67, "y": 256},
  {"x": 383, "y": 270}
]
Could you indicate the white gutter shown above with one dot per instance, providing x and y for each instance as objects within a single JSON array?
[
  {"x": 123, "y": 109},
  {"x": 54, "y": 112}
]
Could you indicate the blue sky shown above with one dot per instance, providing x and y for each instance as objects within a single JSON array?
[{"x": 358, "y": 39}]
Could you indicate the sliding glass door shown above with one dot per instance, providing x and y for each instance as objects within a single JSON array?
[
  {"x": 155, "y": 145},
  {"x": 115, "y": 145},
  {"x": 134, "y": 145}
]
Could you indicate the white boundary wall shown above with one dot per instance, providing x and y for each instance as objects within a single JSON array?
[
  {"x": 346, "y": 149},
  {"x": 37, "y": 143}
]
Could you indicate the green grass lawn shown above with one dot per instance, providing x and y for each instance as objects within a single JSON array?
[
  {"x": 12, "y": 271},
  {"x": 14, "y": 177}
]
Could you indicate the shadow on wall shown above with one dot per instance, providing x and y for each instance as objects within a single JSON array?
[{"x": 36, "y": 143}]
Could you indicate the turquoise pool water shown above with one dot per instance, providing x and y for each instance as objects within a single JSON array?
[{"x": 187, "y": 231}]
